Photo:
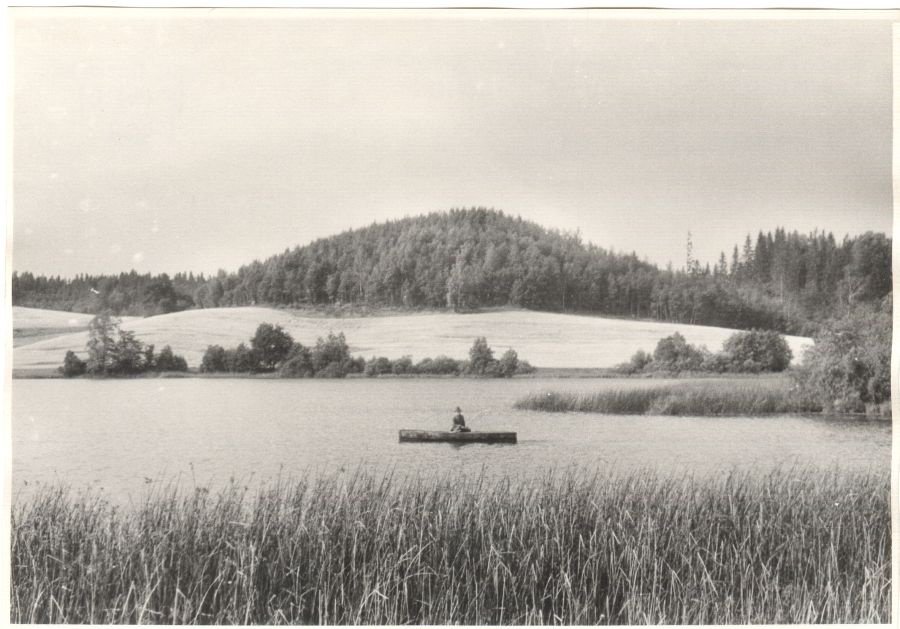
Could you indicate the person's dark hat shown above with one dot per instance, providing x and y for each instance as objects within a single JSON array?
[{"x": 458, "y": 410}]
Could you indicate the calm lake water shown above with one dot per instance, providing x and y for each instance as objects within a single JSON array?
[{"x": 123, "y": 435}]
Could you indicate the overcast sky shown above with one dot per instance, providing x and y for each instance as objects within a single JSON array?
[{"x": 166, "y": 141}]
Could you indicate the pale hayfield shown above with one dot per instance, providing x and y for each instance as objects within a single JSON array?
[
  {"x": 544, "y": 339},
  {"x": 30, "y": 318}
]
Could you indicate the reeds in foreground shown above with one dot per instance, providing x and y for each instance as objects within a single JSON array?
[
  {"x": 790, "y": 547},
  {"x": 717, "y": 397}
]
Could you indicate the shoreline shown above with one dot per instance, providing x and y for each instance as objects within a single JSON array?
[{"x": 560, "y": 373}]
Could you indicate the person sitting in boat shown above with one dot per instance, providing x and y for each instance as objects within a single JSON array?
[{"x": 459, "y": 422}]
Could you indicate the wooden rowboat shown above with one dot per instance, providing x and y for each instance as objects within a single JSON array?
[{"x": 457, "y": 437}]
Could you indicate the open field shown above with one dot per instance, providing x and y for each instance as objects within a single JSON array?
[
  {"x": 544, "y": 339},
  {"x": 794, "y": 546},
  {"x": 33, "y": 325},
  {"x": 26, "y": 336},
  {"x": 747, "y": 396},
  {"x": 29, "y": 318}
]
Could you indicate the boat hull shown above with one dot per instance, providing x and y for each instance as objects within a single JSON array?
[{"x": 457, "y": 437}]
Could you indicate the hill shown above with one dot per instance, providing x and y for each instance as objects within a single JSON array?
[
  {"x": 544, "y": 339},
  {"x": 473, "y": 259}
]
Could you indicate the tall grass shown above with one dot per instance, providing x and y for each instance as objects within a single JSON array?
[
  {"x": 634, "y": 548},
  {"x": 719, "y": 397}
]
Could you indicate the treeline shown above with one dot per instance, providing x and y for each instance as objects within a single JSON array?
[
  {"x": 272, "y": 349},
  {"x": 123, "y": 294},
  {"x": 474, "y": 258}
]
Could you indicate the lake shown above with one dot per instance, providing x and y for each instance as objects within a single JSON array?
[{"x": 123, "y": 435}]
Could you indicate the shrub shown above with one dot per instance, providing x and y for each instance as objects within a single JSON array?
[
  {"x": 441, "y": 365},
  {"x": 331, "y": 349},
  {"x": 757, "y": 350},
  {"x": 298, "y": 363},
  {"x": 848, "y": 369},
  {"x": 355, "y": 365},
  {"x": 492, "y": 370},
  {"x": 242, "y": 359},
  {"x": 127, "y": 355},
  {"x": 332, "y": 370},
  {"x": 508, "y": 364},
  {"x": 378, "y": 366},
  {"x": 639, "y": 360},
  {"x": 402, "y": 365},
  {"x": 168, "y": 361},
  {"x": 480, "y": 356},
  {"x": 716, "y": 363},
  {"x": 271, "y": 345},
  {"x": 673, "y": 353},
  {"x": 215, "y": 359},
  {"x": 150, "y": 356},
  {"x": 72, "y": 365},
  {"x": 447, "y": 365}
]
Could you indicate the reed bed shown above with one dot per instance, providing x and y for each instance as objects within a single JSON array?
[
  {"x": 717, "y": 397},
  {"x": 615, "y": 548}
]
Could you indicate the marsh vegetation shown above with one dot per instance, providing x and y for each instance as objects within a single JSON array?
[
  {"x": 710, "y": 397},
  {"x": 575, "y": 548}
]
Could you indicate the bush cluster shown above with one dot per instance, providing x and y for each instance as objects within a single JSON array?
[
  {"x": 743, "y": 352},
  {"x": 849, "y": 367},
  {"x": 112, "y": 351},
  {"x": 272, "y": 349},
  {"x": 481, "y": 363}
]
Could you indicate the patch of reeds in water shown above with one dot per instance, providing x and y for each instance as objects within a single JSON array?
[
  {"x": 635, "y": 548},
  {"x": 690, "y": 398}
]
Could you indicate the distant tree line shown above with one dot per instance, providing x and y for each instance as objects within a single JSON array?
[
  {"x": 481, "y": 362},
  {"x": 123, "y": 294},
  {"x": 273, "y": 350},
  {"x": 112, "y": 351},
  {"x": 474, "y": 258}
]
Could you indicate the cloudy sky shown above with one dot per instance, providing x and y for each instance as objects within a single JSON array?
[{"x": 198, "y": 140}]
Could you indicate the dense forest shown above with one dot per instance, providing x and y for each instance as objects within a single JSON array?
[{"x": 473, "y": 258}]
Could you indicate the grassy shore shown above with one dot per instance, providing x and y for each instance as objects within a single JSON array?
[
  {"x": 791, "y": 547},
  {"x": 719, "y": 397}
]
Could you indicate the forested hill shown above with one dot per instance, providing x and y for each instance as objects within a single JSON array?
[{"x": 468, "y": 259}]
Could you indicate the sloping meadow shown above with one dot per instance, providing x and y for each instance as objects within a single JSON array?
[{"x": 544, "y": 339}]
